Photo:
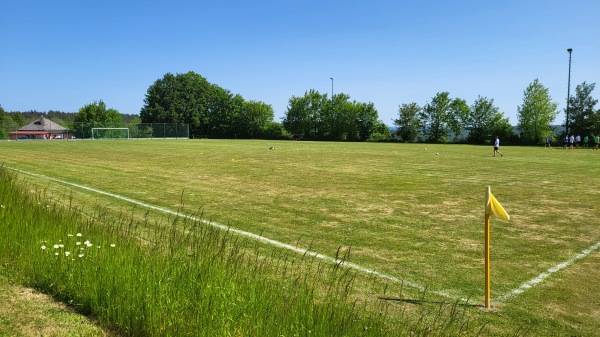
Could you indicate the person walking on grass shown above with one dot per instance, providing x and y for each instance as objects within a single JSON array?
[
  {"x": 586, "y": 139},
  {"x": 572, "y": 142},
  {"x": 547, "y": 142},
  {"x": 497, "y": 146},
  {"x": 596, "y": 141}
]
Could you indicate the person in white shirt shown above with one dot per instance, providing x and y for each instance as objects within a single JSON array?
[{"x": 497, "y": 146}]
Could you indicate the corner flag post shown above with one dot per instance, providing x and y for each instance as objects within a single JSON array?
[
  {"x": 492, "y": 207},
  {"x": 487, "y": 247}
]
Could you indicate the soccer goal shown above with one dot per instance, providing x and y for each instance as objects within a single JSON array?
[{"x": 110, "y": 133}]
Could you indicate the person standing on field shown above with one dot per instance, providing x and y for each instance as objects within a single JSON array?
[
  {"x": 547, "y": 142},
  {"x": 586, "y": 139},
  {"x": 596, "y": 141},
  {"x": 497, "y": 146},
  {"x": 572, "y": 142}
]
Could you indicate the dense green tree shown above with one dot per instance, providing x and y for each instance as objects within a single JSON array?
[
  {"x": 211, "y": 111},
  {"x": 409, "y": 122},
  {"x": 458, "y": 116},
  {"x": 303, "y": 116},
  {"x": 581, "y": 110},
  {"x": 3, "y": 116},
  {"x": 536, "y": 114},
  {"x": 481, "y": 121},
  {"x": 364, "y": 119},
  {"x": 501, "y": 127},
  {"x": 254, "y": 118},
  {"x": 98, "y": 115},
  {"x": 95, "y": 115},
  {"x": 315, "y": 117},
  {"x": 436, "y": 118},
  {"x": 380, "y": 133},
  {"x": 178, "y": 98},
  {"x": 273, "y": 130}
]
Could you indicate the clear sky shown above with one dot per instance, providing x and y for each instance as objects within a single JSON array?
[{"x": 63, "y": 54}]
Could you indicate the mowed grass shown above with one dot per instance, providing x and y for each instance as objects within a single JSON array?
[{"x": 411, "y": 211}]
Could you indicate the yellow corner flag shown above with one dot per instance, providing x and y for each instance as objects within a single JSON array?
[{"x": 494, "y": 208}]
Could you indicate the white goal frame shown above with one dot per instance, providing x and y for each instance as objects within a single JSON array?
[{"x": 94, "y": 129}]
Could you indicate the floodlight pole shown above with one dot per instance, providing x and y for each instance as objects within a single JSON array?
[
  {"x": 331, "y": 78},
  {"x": 568, "y": 90}
]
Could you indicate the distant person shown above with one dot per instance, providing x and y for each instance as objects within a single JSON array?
[
  {"x": 596, "y": 141},
  {"x": 577, "y": 141},
  {"x": 572, "y": 141},
  {"x": 497, "y": 146},
  {"x": 586, "y": 139},
  {"x": 547, "y": 142},
  {"x": 566, "y": 141}
]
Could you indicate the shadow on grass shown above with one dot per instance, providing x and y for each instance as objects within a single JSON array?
[{"x": 421, "y": 301}]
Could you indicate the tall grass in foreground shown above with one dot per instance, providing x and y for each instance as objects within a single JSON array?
[{"x": 188, "y": 279}]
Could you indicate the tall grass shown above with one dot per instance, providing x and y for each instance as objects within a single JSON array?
[{"x": 186, "y": 279}]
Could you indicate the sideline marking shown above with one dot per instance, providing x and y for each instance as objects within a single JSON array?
[
  {"x": 541, "y": 277},
  {"x": 248, "y": 234}
]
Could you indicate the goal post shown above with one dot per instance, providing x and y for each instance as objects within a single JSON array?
[{"x": 110, "y": 133}]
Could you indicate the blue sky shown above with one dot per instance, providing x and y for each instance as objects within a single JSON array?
[{"x": 61, "y": 55}]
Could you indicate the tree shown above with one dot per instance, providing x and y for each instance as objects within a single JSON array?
[
  {"x": 409, "y": 124},
  {"x": 303, "y": 116},
  {"x": 458, "y": 117},
  {"x": 501, "y": 127},
  {"x": 443, "y": 115},
  {"x": 481, "y": 121},
  {"x": 178, "y": 98},
  {"x": 317, "y": 118},
  {"x": 97, "y": 115},
  {"x": 254, "y": 117},
  {"x": 381, "y": 133},
  {"x": 581, "y": 110},
  {"x": 536, "y": 114}
]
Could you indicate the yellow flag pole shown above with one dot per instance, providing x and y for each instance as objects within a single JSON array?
[{"x": 487, "y": 248}]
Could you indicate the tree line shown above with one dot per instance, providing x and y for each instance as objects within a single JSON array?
[{"x": 215, "y": 112}]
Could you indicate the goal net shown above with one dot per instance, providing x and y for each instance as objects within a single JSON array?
[{"x": 110, "y": 133}]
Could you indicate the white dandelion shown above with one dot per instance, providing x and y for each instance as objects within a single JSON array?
[
  {"x": 43, "y": 247},
  {"x": 67, "y": 253}
]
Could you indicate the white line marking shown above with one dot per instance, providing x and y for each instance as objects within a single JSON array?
[
  {"x": 541, "y": 277},
  {"x": 248, "y": 234}
]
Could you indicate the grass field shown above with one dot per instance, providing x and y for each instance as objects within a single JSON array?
[{"x": 410, "y": 211}]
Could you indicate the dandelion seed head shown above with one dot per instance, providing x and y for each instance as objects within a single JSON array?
[
  {"x": 77, "y": 243},
  {"x": 79, "y": 234},
  {"x": 56, "y": 254},
  {"x": 56, "y": 246},
  {"x": 67, "y": 253},
  {"x": 80, "y": 255},
  {"x": 61, "y": 245},
  {"x": 113, "y": 245},
  {"x": 43, "y": 247},
  {"x": 69, "y": 235}
]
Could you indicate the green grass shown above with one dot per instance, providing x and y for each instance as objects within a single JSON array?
[{"x": 404, "y": 210}]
